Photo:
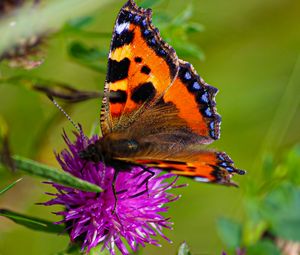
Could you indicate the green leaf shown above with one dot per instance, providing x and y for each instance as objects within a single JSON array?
[
  {"x": 253, "y": 230},
  {"x": 176, "y": 31},
  {"x": 9, "y": 186},
  {"x": 32, "y": 222},
  {"x": 292, "y": 163},
  {"x": 230, "y": 232},
  {"x": 264, "y": 247},
  {"x": 288, "y": 229},
  {"x": 38, "y": 169},
  {"x": 88, "y": 57},
  {"x": 185, "y": 50},
  {"x": 80, "y": 51},
  {"x": 184, "y": 249},
  {"x": 286, "y": 221}
]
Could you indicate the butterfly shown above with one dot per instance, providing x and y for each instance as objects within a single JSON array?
[{"x": 156, "y": 110}]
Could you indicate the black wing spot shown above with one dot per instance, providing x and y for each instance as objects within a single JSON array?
[
  {"x": 146, "y": 70},
  {"x": 122, "y": 39},
  {"x": 138, "y": 59},
  {"x": 174, "y": 162},
  {"x": 217, "y": 173},
  {"x": 119, "y": 96},
  {"x": 117, "y": 70},
  {"x": 143, "y": 92}
]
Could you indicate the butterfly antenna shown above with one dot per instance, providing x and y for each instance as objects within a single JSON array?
[{"x": 67, "y": 115}]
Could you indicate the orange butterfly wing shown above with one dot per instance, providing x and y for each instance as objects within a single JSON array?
[
  {"x": 141, "y": 67},
  {"x": 203, "y": 166},
  {"x": 195, "y": 101},
  {"x": 144, "y": 70}
]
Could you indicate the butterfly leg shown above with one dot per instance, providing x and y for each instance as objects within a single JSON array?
[
  {"x": 145, "y": 181},
  {"x": 115, "y": 196},
  {"x": 114, "y": 190}
]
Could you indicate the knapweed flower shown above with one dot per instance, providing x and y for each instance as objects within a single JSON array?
[{"x": 94, "y": 218}]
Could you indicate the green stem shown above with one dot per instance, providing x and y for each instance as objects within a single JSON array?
[
  {"x": 9, "y": 186},
  {"x": 38, "y": 169}
]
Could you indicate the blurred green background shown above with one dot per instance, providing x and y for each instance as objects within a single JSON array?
[{"x": 251, "y": 53}]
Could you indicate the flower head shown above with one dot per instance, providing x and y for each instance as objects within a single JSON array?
[{"x": 93, "y": 218}]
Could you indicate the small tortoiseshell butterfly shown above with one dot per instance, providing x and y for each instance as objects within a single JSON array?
[{"x": 156, "y": 111}]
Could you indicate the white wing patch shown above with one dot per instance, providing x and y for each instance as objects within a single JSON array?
[
  {"x": 120, "y": 28},
  {"x": 201, "y": 179}
]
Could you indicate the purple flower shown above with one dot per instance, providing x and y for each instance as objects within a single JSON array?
[{"x": 90, "y": 217}]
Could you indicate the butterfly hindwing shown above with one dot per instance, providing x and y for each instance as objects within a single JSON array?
[
  {"x": 195, "y": 101},
  {"x": 141, "y": 66},
  {"x": 203, "y": 166}
]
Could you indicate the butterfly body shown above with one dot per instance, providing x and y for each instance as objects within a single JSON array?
[
  {"x": 109, "y": 149},
  {"x": 157, "y": 111}
]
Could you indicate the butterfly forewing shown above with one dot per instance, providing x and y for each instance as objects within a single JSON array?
[{"x": 141, "y": 67}]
